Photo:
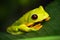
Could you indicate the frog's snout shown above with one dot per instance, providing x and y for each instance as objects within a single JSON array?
[{"x": 47, "y": 19}]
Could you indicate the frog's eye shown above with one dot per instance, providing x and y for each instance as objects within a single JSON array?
[{"x": 34, "y": 17}]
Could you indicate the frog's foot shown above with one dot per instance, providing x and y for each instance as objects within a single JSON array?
[
  {"x": 15, "y": 33},
  {"x": 14, "y": 30}
]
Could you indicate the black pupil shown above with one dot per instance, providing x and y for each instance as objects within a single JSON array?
[{"x": 34, "y": 16}]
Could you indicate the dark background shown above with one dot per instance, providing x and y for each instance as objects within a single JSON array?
[{"x": 11, "y": 10}]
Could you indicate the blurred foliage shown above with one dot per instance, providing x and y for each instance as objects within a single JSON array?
[
  {"x": 43, "y": 38},
  {"x": 24, "y": 2}
]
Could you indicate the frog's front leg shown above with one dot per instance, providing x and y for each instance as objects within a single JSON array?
[{"x": 15, "y": 30}]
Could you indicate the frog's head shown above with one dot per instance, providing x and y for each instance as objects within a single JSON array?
[{"x": 35, "y": 17}]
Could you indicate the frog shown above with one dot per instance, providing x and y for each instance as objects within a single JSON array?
[{"x": 30, "y": 21}]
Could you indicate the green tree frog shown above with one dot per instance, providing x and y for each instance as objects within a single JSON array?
[{"x": 30, "y": 21}]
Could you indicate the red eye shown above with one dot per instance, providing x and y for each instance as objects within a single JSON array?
[{"x": 34, "y": 16}]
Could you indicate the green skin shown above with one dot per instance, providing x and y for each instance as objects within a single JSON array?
[{"x": 20, "y": 24}]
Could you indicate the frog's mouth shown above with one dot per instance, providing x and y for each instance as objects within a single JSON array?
[{"x": 38, "y": 25}]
